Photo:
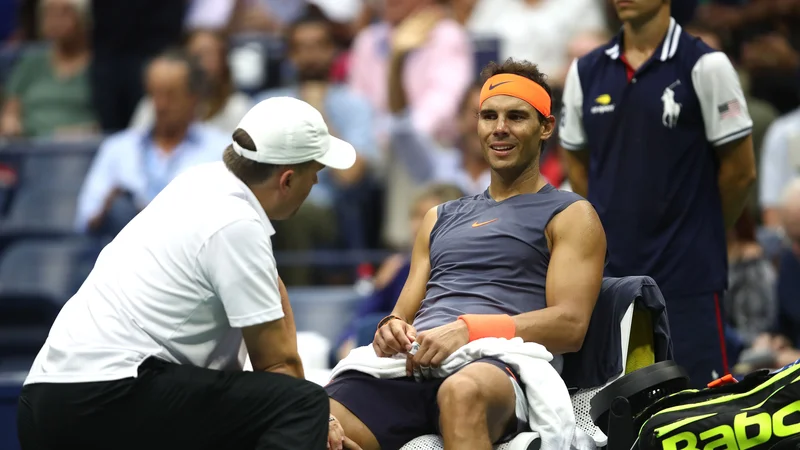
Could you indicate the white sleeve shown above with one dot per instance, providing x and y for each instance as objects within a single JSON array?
[
  {"x": 240, "y": 266},
  {"x": 721, "y": 99},
  {"x": 776, "y": 168},
  {"x": 570, "y": 131}
]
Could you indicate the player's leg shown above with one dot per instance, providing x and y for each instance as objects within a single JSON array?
[
  {"x": 353, "y": 427},
  {"x": 170, "y": 406},
  {"x": 697, "y": 328},
  {"x": 233, "y": 410},
  {"x": 477, "y": 406},
  {"x": 380, "y": 413}
]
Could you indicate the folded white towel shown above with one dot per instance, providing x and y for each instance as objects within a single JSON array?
[{"x": 549, "y": 408}]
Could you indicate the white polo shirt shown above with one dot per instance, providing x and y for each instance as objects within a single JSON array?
[{"x": 178, "y": 282}]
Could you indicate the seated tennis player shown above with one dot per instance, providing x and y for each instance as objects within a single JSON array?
[{"x": 521, "y": 259}]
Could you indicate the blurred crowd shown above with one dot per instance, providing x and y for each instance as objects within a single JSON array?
[{"x": 164, "y": 83}]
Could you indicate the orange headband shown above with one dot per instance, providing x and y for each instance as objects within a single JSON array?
[{"x": 519, "y": 87}]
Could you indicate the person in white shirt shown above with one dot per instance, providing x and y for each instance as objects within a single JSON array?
[{"x": 149, "y": 352}]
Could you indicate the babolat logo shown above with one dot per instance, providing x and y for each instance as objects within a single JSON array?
[
  {"x": 603, "y": 105},
  {"x": 748, "y": 431}
]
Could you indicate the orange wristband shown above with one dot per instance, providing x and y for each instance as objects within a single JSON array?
[{"x": 489, "y": 325}]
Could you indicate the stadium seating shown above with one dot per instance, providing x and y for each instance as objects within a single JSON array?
[
  {"x": 44, "y": 197},
  {"x": 324, "y": 310},
  {"x": 36, "y": 278},
  {"x": 55, "y": 171}
]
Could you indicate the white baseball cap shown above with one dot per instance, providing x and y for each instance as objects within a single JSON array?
[{"x": 288, "y": 131}]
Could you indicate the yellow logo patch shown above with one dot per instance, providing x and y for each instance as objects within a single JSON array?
[{"x": 603, "y": 99}]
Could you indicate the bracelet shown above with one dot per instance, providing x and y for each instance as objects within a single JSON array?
[{"x": 386, "y": 320}]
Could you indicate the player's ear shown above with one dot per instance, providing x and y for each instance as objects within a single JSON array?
[
  {"x": 286, "y": 180},
  {"x": 548, "y": 126}
]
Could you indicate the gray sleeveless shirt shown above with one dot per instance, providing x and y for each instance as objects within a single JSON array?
[{"x": 490, "y": 257}]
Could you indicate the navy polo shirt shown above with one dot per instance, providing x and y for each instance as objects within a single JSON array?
[{"x": 652, "y": 136}]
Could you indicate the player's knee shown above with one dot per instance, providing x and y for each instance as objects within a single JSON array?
[{"x": 460, "y": 393}]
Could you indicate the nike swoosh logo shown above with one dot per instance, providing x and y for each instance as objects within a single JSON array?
[
  {"x": 480, "y": 224},
  {"x": 492, "y": 86}
]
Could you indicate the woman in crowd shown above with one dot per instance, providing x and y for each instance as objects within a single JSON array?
[
  {"x": 222, "y": 106},
  {"x": 48, "y": 93}
]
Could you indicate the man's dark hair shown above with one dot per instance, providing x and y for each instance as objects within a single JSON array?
[
  {"x": 466, "y": 98},
  {"x": 312, "y": 16},
  {"x": 522, "y": 68},
  {"x": 196, "y": 77},
  {"x": 252, "y": 172},
  {"x": 525, "y": 69}
]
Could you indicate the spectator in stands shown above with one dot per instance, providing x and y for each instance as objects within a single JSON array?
[
  {"x": 780, "y": 163},
  {"x": 392, "y": 274},
  {"x": 348, "y": 193},
  {"x": 221, "y": 106},
  {"x": 437, "y": 54},
  {"x": 766, "y": 32},
  {"x": 48, "y": 93},
  {"x": 750, "y": 304},
  {"x": 550, "y": 24},
  {"x": 784, "y": 340},
  {"x": 264, "y": 16},
  {"x": 462, "y": 165},
  {"x": 438, "y": 71},
  {"x": 762, "y": 112},
  {"x": 133, "y": 166}
]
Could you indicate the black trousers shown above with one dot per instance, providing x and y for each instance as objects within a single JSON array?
[{"x": 171, "y": 407}]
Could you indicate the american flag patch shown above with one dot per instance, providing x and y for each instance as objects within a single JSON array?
[{"x": 729, "y": 109}]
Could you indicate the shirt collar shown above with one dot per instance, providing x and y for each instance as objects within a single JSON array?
[
  {"x": 668, "y": 47},
  {"x": 253, "y": 200},
  {"x": 193, "y": 135}
]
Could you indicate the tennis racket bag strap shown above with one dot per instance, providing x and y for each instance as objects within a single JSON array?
[{"x": 760, "y": 412}]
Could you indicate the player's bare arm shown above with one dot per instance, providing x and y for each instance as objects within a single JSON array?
[
  {"x": 414, "y": 290},
  {"x": 396, "y": 336},
  {"x": 574, "y": 277},
  {"x": 737, "y": 176}
]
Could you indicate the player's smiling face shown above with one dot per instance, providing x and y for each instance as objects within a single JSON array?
[{"x": 510, "y": 132}]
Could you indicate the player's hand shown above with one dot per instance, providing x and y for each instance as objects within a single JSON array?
[
  {"x": 349, "y": 444},
  {"x": 335, "y": 434},
  {"x": 394, "y": 337},
  {"x": 437, "y": 344}
]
